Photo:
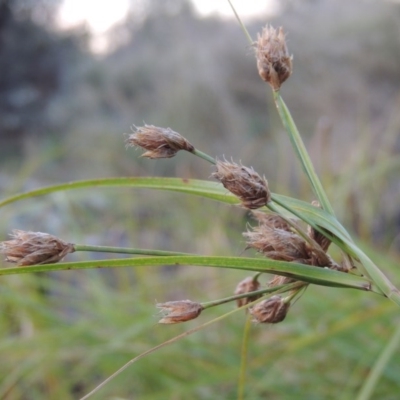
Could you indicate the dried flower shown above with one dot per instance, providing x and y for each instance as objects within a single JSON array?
[
  {"x": 159, "y": 142},
  {"x": 247, "y": 285},
  {"x": 279, "y": 280},
  {"x": 272, "y": 310},
  {"x": 244, "y": 183},
  {"x": 273, "y": 60},
  {"x": 271, "y": 220},
  {"x": 277, "y": 244},
  {"x": 179, "y": 311},
  {"x": 33, "y": 248}
]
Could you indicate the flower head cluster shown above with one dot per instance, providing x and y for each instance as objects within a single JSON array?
[
  {"x": 32, "y": 248},
  {"x": 273, "y": 60},
  {"x": 159, "y": 142},
  {"x": 179, "y": 311},
  {"x": 271, "y": 310},
  {"x": 277, "y": 240},
  {"x": 244, "y": 183},
  {"x": 247, "y": 285}
]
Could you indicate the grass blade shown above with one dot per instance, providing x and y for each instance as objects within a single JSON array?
[
  {"x": 319, "y": 276},
  {"x": 301, "y": 153}
]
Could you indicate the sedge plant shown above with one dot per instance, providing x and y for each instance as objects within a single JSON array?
[{"x": 293, "y": 236}]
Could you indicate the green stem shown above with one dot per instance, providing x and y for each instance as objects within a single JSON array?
[
  {"x": 300, "y": 149},
  {"x": 127, "y": 250},
  {"x": 380, "y": 364},
  {"x": 366, "y": 266},
  {"x": 302, "y": 217},
  {"x": 168, "y": 342},
  {"x": 280, "y": 289},
  {"x": 246, "y": 32},
  {"x": 204, "y": 156},
  {"x": 243, "y": 358}
]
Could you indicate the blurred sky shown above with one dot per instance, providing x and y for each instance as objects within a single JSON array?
[{"x": 99, "y": 17}]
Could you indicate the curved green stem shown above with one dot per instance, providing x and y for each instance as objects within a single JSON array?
[
  {"x": 204, "y": 156},
  {"x": 127, "y": 250},
  {"x": 246, "y": 32},
  {"x": 168, "y": 342},
  {"x": 243, "y": 358},
  {"x": 380, "y": 364},
  {"x": 302, "y": 154},
  {"x": 280, "y": 289}
]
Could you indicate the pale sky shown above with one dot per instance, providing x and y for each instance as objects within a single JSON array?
[{"x": 100, "y": 16}]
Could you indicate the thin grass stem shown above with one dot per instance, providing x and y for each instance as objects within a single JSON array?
[
  {"x": 246, "y": 32},
  {"x": 204, "y": 156},
  {"x": 372, "y": 379},
  {"x": 243, "y": 358},
  {"x": 301, "y": 152},
  {"x": 278, "y": 289},
  {"x": 127, "y": 250},
  {"x": 164, "y": 344}
]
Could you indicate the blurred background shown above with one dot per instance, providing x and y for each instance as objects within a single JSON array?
[{"x": 76, "y": 75}]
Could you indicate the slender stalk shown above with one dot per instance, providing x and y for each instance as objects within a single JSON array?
[
  {"x": 204, "y": 156},
  {"x": 300, "y": 149},
  {"x": 243, "y": 358},
  {"x": 280, "y": 289},
  {"x": 377, "y": 276},
  {"x": 370, "y": 382},
  {"x": 246, "y": 32},
  {"x": 366, "y": 266},
  {"x": 127, "y": 250},
  {"x": 164, "y": 344}
]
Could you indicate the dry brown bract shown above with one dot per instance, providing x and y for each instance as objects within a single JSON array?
[
  {"x": 273, "y": 60},
  {"x": 272, "y": 310},
  {"x": 159, "y": 142},
  {"x": 179, "y": 311},
  {"x": 33, "y": 248},
  {"x": 278, "y": 244},
  {"x": 247, "y": 285},
  {"x": 244, "y": 183}
]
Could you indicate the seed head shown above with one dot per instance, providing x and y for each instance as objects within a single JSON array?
[
  {"x": 271, "y": 220},
  {"x": 279, "y": 280},
  {"x": 33, "y": 248},
  {"x": 245, "y": 286},
  {"x": 159, "y": 142},
  {"x": 272, "y": 310},
  {"x": 179, "y": 311},
  {"x": 277, "y": 244},
  {"x": 244, "y": 183},
  {"x": 273, "y": 60}
]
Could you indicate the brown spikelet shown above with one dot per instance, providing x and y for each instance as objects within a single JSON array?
[
  {"x": 179, "y": 311},
  {"x": 277, "y": 244},
  {"x": 271, "y": 220},
  {"x": 244, "y": 183},
  {"x": 273, "y": 60},
  {"x": 247, "y": 285},
  {"x": 279, "y": 280},
  {"x": 159, "y": 142},
  {"x": 272, "y": 310},
  {"x": 33, "y": 248}
]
